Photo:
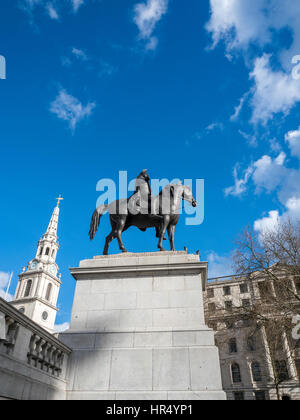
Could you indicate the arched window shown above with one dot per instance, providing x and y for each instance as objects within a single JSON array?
[
  {"x": 28, "y": 288},
  {"x": 41, "y": 251},
  {"x": 236, "y": 373},
  {"x": 49, "y": 290},
  {"x": 47, "y": 251},
  {"x": 53, "y": 253},
  {"x": 256, "y": 372}
]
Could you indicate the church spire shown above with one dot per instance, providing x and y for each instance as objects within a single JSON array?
[
  {"x": 51, "y": 232},
  {"x": 39, "y": 285}
]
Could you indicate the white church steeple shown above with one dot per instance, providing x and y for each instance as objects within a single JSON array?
[{"x": 38, "y": 287}]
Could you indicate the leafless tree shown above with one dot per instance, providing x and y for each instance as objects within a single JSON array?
[{"x": 270, "y": 263}]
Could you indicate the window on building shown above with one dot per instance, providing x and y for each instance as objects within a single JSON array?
[
  {"x": 256, "y": 372},
  {"x": 210, "y": 293},
  {"x": 211, "y": 307},
  {"x": 47, "y": 251},
  {"x": 238, "y": 396},
  {"x": 53, "y": 253},
  {"x": 282, "y": 370},
  {"x": 213, "y": 325},
  {"x": 283, "y": 288},
  {"x": 41, "y": 251},
  {"x": 297, "y": 363},
  {"x": 233, "y": 346},
  {"x": 265, "y": 290},
  {"x": 49, "y": 291},
  {"x": 227, "y": 291},
  {"x": 229, "y": 324},
  {"x": 251, "y": 343},
  {"x": 246, "y": 303},
  {"x": 244, "y": 288},
  {"x": 236, "y": 373},
  {"x": 28, "y": 288},
  {"x": 260, "y": 395},
  {"x": 228, "y": 305}
]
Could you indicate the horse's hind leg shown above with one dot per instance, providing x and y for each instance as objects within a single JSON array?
[
  {"x": 108, "y": 241},
  {"x": 110, "y": 237},
  {"x": 119, "y": 230}
]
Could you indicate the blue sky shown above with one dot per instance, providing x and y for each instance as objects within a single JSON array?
[{"x": 97, "y": 86}]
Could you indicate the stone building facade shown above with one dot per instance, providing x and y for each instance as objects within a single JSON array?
[
  {"x": 247, "y": 372},
  {"x": 33, "y": 362}
]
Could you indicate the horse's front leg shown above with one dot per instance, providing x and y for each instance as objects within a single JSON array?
[
  {"x": 163, "y": 231},
  {"x": 171, "y": 233}
]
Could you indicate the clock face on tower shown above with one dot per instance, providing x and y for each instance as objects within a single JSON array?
[
  {"x": 53, "y": 269},
  {"x": 33, "y": 265}
]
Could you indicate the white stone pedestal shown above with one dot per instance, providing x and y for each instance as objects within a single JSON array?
[{"x": 138, "y": 331}]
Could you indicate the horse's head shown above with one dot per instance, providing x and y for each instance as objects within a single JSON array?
[{"x": 187, "y": 195}]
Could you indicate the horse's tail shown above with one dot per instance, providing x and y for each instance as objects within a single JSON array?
[{"x": 98, "y": 213}]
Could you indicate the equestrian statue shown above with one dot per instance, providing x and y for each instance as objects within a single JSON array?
[{"x": 144, "y": 211}]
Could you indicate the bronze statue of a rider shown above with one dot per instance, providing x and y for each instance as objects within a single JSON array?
[{"x": 141, "y": 200}]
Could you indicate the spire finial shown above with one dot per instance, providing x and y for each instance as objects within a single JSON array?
[{"x": 59, "y": 199}]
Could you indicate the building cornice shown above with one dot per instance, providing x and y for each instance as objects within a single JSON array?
[
  {"x": 34, "y": 299},
  {"x": 40, "y": 272},
  {"x": 87, "y": 273}
]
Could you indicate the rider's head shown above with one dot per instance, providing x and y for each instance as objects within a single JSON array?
[{"x": 144, "y": 174}]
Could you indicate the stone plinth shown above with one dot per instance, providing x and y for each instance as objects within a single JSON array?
[{"x": 138, "y": 331}]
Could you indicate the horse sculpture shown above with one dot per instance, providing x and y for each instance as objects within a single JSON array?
[{"x": 164, "y": 215}]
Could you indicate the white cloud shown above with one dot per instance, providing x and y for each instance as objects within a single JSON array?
[
  {"x": 60, "y": 328},
  {"x": 275, "y": 145},
  {"x": 240, "y": 184},
  {"x": 213, "y": 126},
  {"x": 51, "y": 7},
  {"x": 146, "y": 17},
  {"x": 219, "y": 266},
  {"x": 70, "y": 109},
  {"x": 30, "y": 6},
  {"x": 269, "y": 173},
  {"x": 4, "y": 279},
  {"x": 79, "y": 54},
  {"x": 267, "y": 223},
  {"x": 293, "y": 140},
  {"x": 77, "y": 4},
  {"x": 274, "y": 91},
  {"x": 242, "y": 24},
  {"x": 273, "y": 219},
  {"x": 52, "y": 11},
  {"x": 239, "y": 107},
  {"x": 251, "y": 139}
]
